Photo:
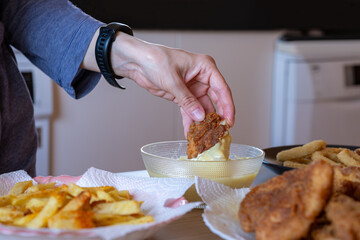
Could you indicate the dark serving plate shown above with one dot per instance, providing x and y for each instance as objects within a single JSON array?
[{"x": 277, "y": 167}]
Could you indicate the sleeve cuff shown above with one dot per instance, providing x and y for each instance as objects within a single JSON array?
[{"x": 79, "y": 82}]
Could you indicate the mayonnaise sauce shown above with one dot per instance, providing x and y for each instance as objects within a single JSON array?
[{"x": 219, "y": 152}]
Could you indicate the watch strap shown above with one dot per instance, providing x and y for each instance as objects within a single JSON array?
[{"x": 103, "y": 46}]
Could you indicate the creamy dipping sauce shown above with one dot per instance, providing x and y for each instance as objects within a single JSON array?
[{"x": 219, "y": 152}]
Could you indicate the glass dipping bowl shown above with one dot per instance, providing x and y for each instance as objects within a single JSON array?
[{"x": 162, "y": 159}]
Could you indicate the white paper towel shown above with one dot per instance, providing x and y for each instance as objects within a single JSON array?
[
  {"x": 155, "y": 192},
  {"x": 222, "y": 207},
  {"x": 8, "y": 180}
]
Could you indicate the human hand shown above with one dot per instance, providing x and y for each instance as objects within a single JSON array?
[{"x": 190, "y": 80}]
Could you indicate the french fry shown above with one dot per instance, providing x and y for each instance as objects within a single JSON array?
[
  {"x": 333, "y": 150},
  {"x": 120, "y": 195},
  {"x": 301, "y": 151},
  {"x": 331, "y": 153},
  {"x": 20, "y": 187},
  {"x": 21, "y": 199},
  {"x": 101, "y": 195},
  {"x": 108, "y": 219},
  {"x": 56, "y": 201},
  {"x": 9, "y": 213},
  {"x": 319, "y": 156},
  {"x": 36, "y": 204},
  {"x": 23, "y": 221},
  {"x": 40, "y": 187},
  {"x": 349, "y": 158},
  {"x": 103, "y": 188},
  {"x": 72, "y": 220},
  {"x": 294, "y": 164},
  {"x": 5, "y": 200},
  {"x": 80, "y": 202},
  {"x": 75, "y": 214},
  {"x": 74, "y": 189},
  {"x": 304, "y": 160},
  {"x": 125, "y": 207}
]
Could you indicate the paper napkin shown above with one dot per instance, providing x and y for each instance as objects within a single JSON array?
[{"x": 222, "y": 207}]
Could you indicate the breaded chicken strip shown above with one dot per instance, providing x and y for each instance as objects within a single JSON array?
[
  {"x": 343, "y": 212},
  {"x": 347, "y": 181},
  {"x": 205, "y": 134},
  {"x": 285, "y": 206}
]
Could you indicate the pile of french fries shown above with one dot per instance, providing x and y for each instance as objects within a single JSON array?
[
  {"x": 69, "y": 206},
  {"x": 299, "y": 157}
]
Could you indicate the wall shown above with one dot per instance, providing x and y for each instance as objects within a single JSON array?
[{"x": 107, "y": 128}]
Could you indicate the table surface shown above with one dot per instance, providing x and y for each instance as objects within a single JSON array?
[{"x": 191, "y": 225}]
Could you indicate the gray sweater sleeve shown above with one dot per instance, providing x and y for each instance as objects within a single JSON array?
[{"x": 54, "y": 35}]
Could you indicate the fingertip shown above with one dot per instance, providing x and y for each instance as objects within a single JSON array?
[
  {"x": 231, "y": 123},
  {"x": 198, "y": 114},
  {"x": 230, "y": 120}
]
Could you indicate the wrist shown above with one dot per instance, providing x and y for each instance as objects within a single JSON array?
[
  {"x": 126, "y": 54},
  {"x": 103, "y": 48},
  {"x": 89, "y": 60}
]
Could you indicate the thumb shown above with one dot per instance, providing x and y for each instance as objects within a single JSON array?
[{"x": 190, "y": 104}]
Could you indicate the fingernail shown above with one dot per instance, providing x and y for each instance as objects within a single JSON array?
[
  {"x": 231, "y": 122},
  {"x": 198, "y": 115}
]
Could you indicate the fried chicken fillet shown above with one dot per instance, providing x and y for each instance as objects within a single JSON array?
[
  {"x": 343, "y": 213},
  {"x": 347, "y": 181},
  {"x": 205, "y": 134},
  {"x": 285, "y": 206}
]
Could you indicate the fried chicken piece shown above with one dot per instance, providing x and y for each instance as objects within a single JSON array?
[
  {"x": 347, "y": 181},
  {"x": 325, "y": 232},
  {"x": 285, "y": 206},
  {"x": 205, "y": 134},
  {"x": 343, "y": 212},
  {"x": 320, "y": 229}
]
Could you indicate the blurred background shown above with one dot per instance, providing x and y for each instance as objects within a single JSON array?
[{"x": 293, "y": 67}]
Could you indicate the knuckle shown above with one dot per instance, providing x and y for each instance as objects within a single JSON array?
[
  {"x": 207, "y": 58},
  {"x": 188, "y": 101}
]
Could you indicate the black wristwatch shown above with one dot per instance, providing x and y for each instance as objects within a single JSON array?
[{"x": 103, "y": 49}]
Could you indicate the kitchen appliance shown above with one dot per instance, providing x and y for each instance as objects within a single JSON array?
[
  {"x": 316, "y": 92},
  {"x": 40, "y": 87}
]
